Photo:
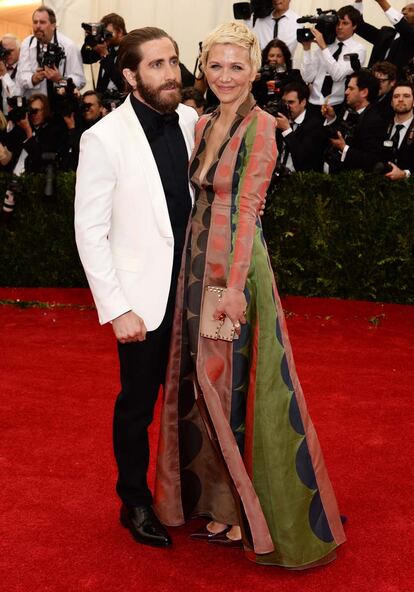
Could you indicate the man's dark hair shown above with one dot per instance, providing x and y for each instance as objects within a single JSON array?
[
  {"x": 390, "y": 70},
  {"x": 365, "y": 79},
  {"x": 93, "y": 93},
  {"x": 189, "y": 92},
  {"x": 300, "y": 88},
  {"x": 405, "y": 83},
  {"x": 129, "y": 52},
  {"x": 116, "y": 20},
  {"x": 352, "y": 13},
  {"x": 50, "y": 12}
]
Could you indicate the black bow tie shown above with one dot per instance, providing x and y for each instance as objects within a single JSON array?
[
  {"x": 170, "y": 118},
  {"x": 161, "y": 122}
]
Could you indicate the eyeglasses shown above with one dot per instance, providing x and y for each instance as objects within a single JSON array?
[
  {"x": 382, "y": 79},
  {"x": 34, "y": 110}
]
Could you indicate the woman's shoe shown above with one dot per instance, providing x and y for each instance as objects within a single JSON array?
[
  {"x": 222, "y": 539},
  {"x": 205, "y": 535}
]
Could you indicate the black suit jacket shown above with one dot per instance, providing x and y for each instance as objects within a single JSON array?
[
  {"x": 366, "y": 145},
  {"x": 306, "y": 144},
  {"x": 401, "y": 49},
  {"x": 404, "y": 158}
]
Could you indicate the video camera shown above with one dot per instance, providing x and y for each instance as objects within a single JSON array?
[
  {"x": 259, "y": 9},
  {"x": 4, "y": 53},
  {"x": 325, "y": 21},
  {"x": 95, "y": 34},
  {"x": 18, "y": 109},
  {"x": 50, "y": 55}
]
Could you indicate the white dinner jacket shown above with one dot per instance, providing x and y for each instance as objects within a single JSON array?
[{"x": 123, "y": 230}]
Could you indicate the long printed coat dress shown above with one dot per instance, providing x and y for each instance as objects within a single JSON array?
[{"x": 236, "y": 443}]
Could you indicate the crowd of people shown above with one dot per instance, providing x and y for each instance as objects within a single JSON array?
[{"x": 332, "y": 113}]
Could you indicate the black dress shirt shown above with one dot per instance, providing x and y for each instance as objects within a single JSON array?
[{"x": 171, "y": 157}]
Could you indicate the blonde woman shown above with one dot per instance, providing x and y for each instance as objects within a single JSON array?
[{"x": 237, "y": 444}]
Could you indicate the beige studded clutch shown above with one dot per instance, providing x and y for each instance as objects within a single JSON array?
[{"x": 209, "y": 327}]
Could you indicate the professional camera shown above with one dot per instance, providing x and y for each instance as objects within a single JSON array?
[
  {"x": 346, "y": 126},
  {"x": 50, "y": 55},
  {"x": 18, "y": 109},
  {"x": 4, "y": 53},
  {"x": 12, "y": 192},
  {"x": 111, "y": 99},
  {"x": 277, "y": 106},
  {"x": 95, "y": 34},
  {"x": 50, "y": 158},
  {"x": 389, "y": 154},
  {"x": 325, "y": 21},
  {"x": 259, "y": 9},
  {"x": 65, "y": 101}
]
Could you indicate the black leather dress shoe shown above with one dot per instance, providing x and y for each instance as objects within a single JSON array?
[{"x": 145, "y": 526}]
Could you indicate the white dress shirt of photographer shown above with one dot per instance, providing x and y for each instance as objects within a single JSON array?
[
  {"x": 285, "y": 18},
  {"x": 8, "y": 70},
  {"x": 319, "y": 63},
  {"x": 33, "y": 79}
]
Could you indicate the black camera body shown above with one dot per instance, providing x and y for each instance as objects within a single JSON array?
[
  {"x": 51, "y": 56},
  {"x": 325, "y": 22},
  {"x": 95, "y": 34},
  {"x": 18, "y": 110},
  {"x": 111, "y": 99},
  {"x": 4, "y": 53},
  {"x": 276, "y": 107},
  {"x": 259, "y": 9},
  {"x": 65, "y": 101},
  {"x": 389, "y": 154}
]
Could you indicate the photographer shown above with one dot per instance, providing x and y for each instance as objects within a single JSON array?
[
  {"x": 394, "y": 44},
  {"x": 357, "y": 135},
  {"x": 327, "y": 68},
  {"x": 280, "y": 23},
  {"x": 386, "y": 74},
  {"x": 103, "y": 47},
  {"x": 400, "y": 134},
  {"x": 301, "y": 138},
  {"x": 9, "y": 57},
  {"x": 46, "y": 57},
  {"x": 276, "y": 72}
]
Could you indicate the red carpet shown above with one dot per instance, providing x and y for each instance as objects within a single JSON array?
[{"x": 60, "y": 530}]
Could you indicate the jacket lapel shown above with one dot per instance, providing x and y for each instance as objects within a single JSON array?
[{"x": 140, "y": 146}]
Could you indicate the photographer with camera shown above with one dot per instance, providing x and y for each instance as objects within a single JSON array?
[
  {"x": 386, "y": 74},
  {"x": 328, "y": 67},
  {"x": 276, "y": 72},
  {"x": 357, "y": 135},
  {"x": 300, "y": 135},
  {"x": 46, "y": 57},
  {"x": 399, "y": 145},
  {"x": 101, "y": 44},
  {"x": 9, "y": 58},
  {"x": 394, "y": 44},
  {"x": 278, "y": 22}
]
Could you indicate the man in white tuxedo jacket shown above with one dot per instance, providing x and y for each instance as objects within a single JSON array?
[{"x": 133, "y": 200}]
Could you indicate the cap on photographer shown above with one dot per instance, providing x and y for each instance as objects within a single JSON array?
[
  {"x": 9, "y": 57},
  {"x": 47, "y": 56},
  {"x": 327, "y": 67}
]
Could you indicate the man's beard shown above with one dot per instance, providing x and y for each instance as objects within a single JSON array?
[
  {"x": 402, "y": 110},
  {"x": 153, "y": 96}
]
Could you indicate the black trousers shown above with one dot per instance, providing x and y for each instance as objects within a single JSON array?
[{"x": 143, "y": 367}]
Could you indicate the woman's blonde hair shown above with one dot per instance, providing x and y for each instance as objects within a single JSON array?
[
  {"x": 235, "y": 33},
  {"x": 3, "y": 122}
]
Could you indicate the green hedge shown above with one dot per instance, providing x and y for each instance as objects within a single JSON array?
[{"x": 349, "y": 235}]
